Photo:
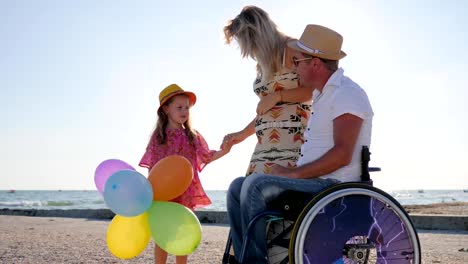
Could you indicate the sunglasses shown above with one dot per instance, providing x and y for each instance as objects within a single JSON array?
[{"x": 296, "y": 60}]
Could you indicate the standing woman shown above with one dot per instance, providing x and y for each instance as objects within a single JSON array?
[{"x": 284, "y": 107}]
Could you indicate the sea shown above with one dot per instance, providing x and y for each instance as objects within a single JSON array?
[{"x": 88, "y": 199}]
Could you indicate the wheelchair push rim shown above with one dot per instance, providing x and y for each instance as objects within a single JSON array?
[{"x": 354, "y": 223}]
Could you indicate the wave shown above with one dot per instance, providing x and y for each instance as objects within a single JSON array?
[
  {"x": 35, "y": 203},
  {"x": 21, "y": 203}
]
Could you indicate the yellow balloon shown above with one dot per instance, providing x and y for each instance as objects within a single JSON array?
[{"x": 127, "y": 237}]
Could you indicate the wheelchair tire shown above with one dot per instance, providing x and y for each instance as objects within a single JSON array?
[{"x": 354, "y": 223}]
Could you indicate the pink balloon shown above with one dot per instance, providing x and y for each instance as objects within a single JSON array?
[{"x": 106, "y": 169}]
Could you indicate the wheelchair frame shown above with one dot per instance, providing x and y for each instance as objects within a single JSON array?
[{"x": 303, "y": 208}]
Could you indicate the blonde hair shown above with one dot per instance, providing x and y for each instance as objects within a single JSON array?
[
  {"x": 159, "y": 135},
  {"x": 258, "y": 38}
]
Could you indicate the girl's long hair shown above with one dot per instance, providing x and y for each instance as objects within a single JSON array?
[
  {"x": 258, "y": 38},
  {"x": 159, "y": 135}
]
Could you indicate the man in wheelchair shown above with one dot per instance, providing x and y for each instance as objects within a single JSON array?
[{"x": 340, "y": 124}]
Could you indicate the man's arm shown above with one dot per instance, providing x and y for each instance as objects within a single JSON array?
[
  {"x": 298, "y": 94},
  {"x": 346, "y": 130}
]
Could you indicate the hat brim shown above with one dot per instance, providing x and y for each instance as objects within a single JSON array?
[
  {"x": 192, "y": 97},
  {"x": 293, "y": 45}
]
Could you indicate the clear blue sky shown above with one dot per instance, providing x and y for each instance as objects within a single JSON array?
[{"x": 79, "y": 82}]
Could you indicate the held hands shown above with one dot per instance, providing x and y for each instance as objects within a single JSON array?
[
  {"x": 232, "y": 139},
  {"x": 226, "y": 146},
  {"x": 268, "y": 101}
]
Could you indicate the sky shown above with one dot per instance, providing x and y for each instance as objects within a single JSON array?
[{"x": 79, "y": 84}]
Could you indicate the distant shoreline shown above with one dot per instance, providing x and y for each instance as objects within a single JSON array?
[
  {"x": 443, "y": 216},
  {"x": 446, "y": 208}
]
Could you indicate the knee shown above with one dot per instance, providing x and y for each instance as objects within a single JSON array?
[
  {"x": 266, "y": 186},
  {"x": 255, "y": 182},
  {"x": 235, "y": 188}
]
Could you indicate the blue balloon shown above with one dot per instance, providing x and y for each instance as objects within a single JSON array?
[{"x": 128, "y": 193}]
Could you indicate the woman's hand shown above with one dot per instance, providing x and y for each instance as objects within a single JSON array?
[{"x": 268, "y": 101}]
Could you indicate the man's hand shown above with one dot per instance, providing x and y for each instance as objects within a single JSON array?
[{"x": 282, "y": 171}]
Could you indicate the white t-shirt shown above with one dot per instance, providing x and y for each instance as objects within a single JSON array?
[{"x": 339, "y": 96}]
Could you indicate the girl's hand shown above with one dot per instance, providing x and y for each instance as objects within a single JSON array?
[
  {"x": 226, "y": 146},
  {"x": 227, "y": 143},
  {"x": 267, "y": 102},
  {"x": 233, "y": 138}
]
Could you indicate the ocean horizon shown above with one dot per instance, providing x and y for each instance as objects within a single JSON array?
[{"x": 92, "y": 199}]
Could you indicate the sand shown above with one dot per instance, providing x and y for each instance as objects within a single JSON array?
[
  {"x": 25, "y": 239},
  {"x": 455, "y": 208}
]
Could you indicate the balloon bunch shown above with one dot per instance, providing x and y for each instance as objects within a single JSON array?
[{"x": 142, "y": 208}]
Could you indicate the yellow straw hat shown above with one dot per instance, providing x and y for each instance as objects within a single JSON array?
[{"x": 173, "y": 90}]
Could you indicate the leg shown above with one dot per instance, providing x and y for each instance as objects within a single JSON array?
[
  {"x": 233, "y": 211},
  {"x": 160, "y": 256},
  {"x": 181, "y": 259},
  {"x": 256, "y": 192}
]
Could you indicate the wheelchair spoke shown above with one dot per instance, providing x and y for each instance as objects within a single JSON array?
[
  {"x": 278, "y": 237},
  {"x": 355, "y": 224}
]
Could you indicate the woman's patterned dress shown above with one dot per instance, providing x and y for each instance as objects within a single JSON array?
[{"x": 280, "y": 130}]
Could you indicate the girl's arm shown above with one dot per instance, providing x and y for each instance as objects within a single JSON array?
[{"x": 299, "y": 94}]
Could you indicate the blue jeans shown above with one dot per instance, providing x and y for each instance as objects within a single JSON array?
[{"x": 248, "y": 196}]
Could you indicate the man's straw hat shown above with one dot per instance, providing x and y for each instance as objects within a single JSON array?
[{"x": 319, "y": 41}]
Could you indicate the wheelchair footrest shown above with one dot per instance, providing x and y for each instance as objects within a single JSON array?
[{"x": 229, "y": 259}]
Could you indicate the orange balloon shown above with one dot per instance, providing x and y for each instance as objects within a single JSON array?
[{"x": 170, "y": 177}]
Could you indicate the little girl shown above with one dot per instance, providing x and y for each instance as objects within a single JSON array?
[{"x": 174, "y": 135}]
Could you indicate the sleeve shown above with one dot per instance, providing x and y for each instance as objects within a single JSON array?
[
  {"x": 151, "y": 155},
  {"x": 203, "y": 153},
  {"x": 354, "y": 101},
  {"x": 145, "y": 161}
]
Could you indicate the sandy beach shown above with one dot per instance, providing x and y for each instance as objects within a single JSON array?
[
  {"x": 25, "y": 239},
  {"x": 454, "y": 208}
]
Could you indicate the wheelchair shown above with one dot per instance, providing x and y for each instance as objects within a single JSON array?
[{"x": 351, "y": 222}]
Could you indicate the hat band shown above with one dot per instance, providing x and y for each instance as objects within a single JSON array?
[
  {"x": 304, "y": 47},
  {"x": 170, "y": 95}
]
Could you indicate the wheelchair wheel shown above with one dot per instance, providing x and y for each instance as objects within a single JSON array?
[
  {"x": 278, "y": 235},
  {"x": 354, "y": 223}
]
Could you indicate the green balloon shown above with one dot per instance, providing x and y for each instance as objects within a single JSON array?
[{"x": 174, "y": 228}]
